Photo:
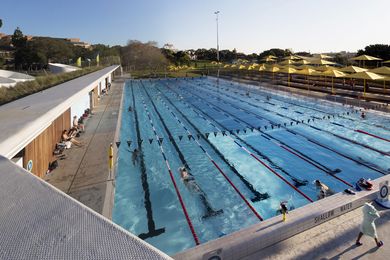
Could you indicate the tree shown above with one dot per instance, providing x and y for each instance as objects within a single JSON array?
[
  {"x": 105, "y": 50},
  {"x": 1, "y": 23},
  {"x": 182, "y": 58},
  {"x": 303, "y": 53},
  {"x": 141, "y": 56},
  {"x": 275, "y": 52},
  {"x": 51, "y": 50},
  {"x": 18, "y": 40},
  {"x": 341, "y": 59},
  {"x": 169, "y": 55}
]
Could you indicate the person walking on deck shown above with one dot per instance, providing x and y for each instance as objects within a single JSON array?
[{"x": 368, "y": 228}]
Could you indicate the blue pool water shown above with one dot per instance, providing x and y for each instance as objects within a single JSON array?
[{"x": 248, "y": 149}]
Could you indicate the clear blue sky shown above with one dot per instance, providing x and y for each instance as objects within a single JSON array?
[{"x": 247, "y": 25}]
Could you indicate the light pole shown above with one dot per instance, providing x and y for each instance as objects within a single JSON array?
[{"x": 216, "y": 13}]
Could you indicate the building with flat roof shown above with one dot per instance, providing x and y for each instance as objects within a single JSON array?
[{"x": 33, "y": 125}]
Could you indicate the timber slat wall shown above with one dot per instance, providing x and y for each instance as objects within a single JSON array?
[{"x": 40, "y": 150}]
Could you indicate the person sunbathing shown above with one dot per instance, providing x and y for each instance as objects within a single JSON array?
[{"x": 66, "y": 138}]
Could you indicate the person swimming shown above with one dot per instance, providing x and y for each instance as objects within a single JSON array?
[
  {"x": 363, "y": 115},
  {"x": 134, "y": 156},
  {"x": 323, "y": 190},
  {"x": 189, "y": 181}
]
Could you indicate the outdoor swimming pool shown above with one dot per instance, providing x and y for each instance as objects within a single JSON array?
[{"x": 248, "y": 149}]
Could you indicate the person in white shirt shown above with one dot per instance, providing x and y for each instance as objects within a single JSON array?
[{"x": 77, "y": 125}]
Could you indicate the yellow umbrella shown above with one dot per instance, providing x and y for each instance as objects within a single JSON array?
[
  {"x": 273, "y": 69},
  {"x": 366, "y": 76},
  {"x": 288, "y": 66},
  {"x": 352, "y": 69},
  {"x": 322, "y": 62},
  {"x": 262, "y": 67},
  {"x": 324, "y": 68},
  {"x": 226, "y": 66},
  {"x": 364, "y": 58},
  {"x": 288, "y": 70},
  {"x": 381, "y": 70},
  {"x": 303, "y": 62},
  {"x": 270, "y": 57},
  {"x": 334, "y": 74},
  {"x": 242, "y": 67},
  {"x": 322, "y": 56},
  {"x": 306, "y": 67},
  {"x": 307, "y": 72},
  {"x": 384, "y": 83},
  {"x": 287, "y": 62},
  {"x": 291, "y": 57},
  {"x": 234, "y": 66}
]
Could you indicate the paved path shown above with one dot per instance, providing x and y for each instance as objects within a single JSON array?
[
  {"x": 84, "y": 173},
  {"x": 334, "y": 239}
]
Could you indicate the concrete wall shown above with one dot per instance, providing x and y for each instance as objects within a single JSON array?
[{"x": 77, "y": 109}]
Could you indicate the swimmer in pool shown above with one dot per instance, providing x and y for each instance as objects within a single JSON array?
[
  {"x": 192, "y": 186},
  {"x": 323, "y": 190},
  {"x": 134, "y": 156}
]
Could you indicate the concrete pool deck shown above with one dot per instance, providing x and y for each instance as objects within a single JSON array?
[
  {"x": 334, "y": 239},
  {"x": 84, "y": 174}
]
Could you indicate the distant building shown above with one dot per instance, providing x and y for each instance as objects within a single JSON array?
[
  {"x": 77, "y": 42},
  {"x": 191, "y": 54}
]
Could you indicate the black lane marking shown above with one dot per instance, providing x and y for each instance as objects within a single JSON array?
[{"x": 152, "y": 231}]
